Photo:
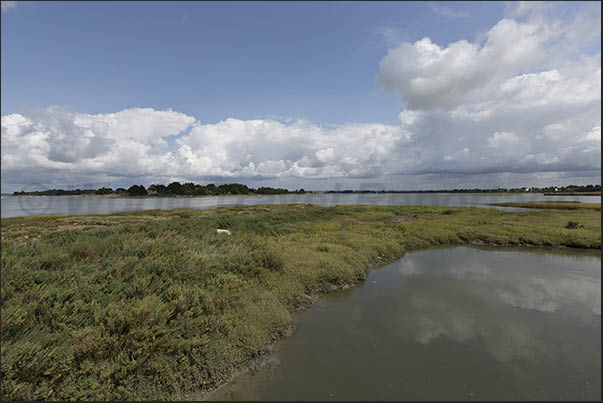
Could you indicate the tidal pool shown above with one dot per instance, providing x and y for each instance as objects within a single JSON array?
[{"x": 447, "y": 324}]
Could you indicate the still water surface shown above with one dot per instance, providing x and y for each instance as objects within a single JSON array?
[
  {"x": 447, "y": 324},
  {"x": 21, "y": 206}
]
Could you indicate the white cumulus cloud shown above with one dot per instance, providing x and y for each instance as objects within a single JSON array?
[
  {"x": 525, "y": 97},
  {"x": 146, "y": 143}
]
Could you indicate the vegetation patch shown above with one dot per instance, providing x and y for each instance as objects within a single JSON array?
[
  {"x": 555, "y": 205},
  {"x": 403, "y": 218},
  {"x": 153, "y": 305}
]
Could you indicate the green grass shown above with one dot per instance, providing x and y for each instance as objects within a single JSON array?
[
  {"x": 155, "y": 304},
  {"x": 556, "y": 205}
]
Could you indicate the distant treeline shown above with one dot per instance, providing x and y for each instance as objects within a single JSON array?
[
  {"x": 192, "y": 189},
  {"x": 550, "y": 189},
  {"x": 173, "y": 189}
]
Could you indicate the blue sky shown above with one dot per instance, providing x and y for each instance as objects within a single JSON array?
[
  {"x": 318, "y": 76},
  {"x": 316, "y": 61}
]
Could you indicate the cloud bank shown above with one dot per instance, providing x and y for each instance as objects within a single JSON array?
[
  {"x": 143, "y": 142},
  {"x": 522, "y": 103},
  {"x": 525, "y": 97}
]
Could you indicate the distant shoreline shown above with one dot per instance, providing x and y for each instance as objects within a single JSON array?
[
  {"x": 125, "y": 196},
  {"x": 115, "y": 195}
]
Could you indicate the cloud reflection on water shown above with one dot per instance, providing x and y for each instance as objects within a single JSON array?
[{"x": 477, "y": 299}]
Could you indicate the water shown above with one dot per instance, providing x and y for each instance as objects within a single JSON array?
[
  {"x": 449, "y": 324},
  {"x": 21, "y": 206}
]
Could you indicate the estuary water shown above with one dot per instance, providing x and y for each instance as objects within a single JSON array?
[
  {"x": 446, "y": 324},
  {"x": 21, "y": 206}
]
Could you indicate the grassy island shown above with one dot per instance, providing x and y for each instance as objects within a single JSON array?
[
  {"x": 553, "y": 205},
  {"x": 156, "y": 304}
]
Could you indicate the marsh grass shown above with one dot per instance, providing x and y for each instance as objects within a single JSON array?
[
  {"x": 555, "y": 205},
  {"x": 155, "y": 304}
]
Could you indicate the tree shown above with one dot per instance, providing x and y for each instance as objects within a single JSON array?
[
  {"x": 188, "y": 189},
  {"x": 212, "y": 189},
  {"x": 104, "y": 191},
  {"x": 137, "y": 190},
  {"x": 201, "y": 190},
  {"x": 175, "y": 188},
  {"x": 160, "y": 189}
]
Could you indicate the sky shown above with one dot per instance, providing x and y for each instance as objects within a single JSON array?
[{"x": 319, "y": 95}]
